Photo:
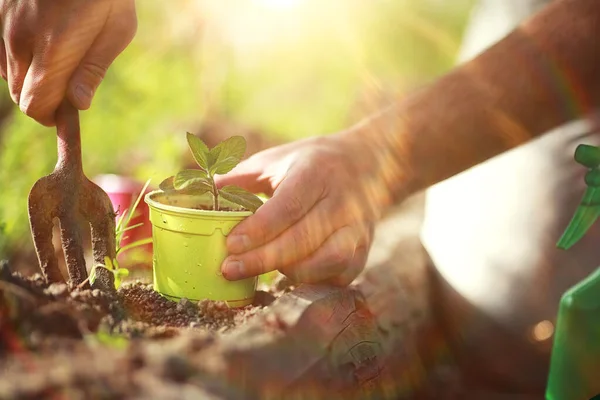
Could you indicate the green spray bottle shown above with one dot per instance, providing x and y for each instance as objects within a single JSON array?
[{"x": 575, "y": 359}]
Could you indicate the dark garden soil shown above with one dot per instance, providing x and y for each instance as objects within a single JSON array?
[
  {"x": 206, "y": 208},
  {"x": 59, "y": 343}
]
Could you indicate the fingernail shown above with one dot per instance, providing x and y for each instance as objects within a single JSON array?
[
  {"x": 233, "y": 270},
  {"x": 84, "y": 94},
  {"x": 23, "y": 105},
  {"x": 238, "y": 244}
]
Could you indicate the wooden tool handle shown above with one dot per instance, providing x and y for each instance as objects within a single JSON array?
[{"x": 69, "y": 138}]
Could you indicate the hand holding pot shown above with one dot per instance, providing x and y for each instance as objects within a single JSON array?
[
  {"x": 62, "y": 48},
  {"x": 318, "y": 225}
]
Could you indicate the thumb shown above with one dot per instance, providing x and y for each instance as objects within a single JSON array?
[{"x": 92, "y": 69}]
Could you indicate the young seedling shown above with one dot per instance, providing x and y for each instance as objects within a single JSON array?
[
  {"x": 216, "y": 161},
  {"x": 112, "y": 266},
  {"x": 122, "y": 226}
]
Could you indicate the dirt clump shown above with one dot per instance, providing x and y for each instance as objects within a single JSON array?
[{"x": 143, "y": 304}]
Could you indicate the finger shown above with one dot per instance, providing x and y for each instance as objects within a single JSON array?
[
  {"x": 52, "y": 65},
  {"x": 261, "y": 173},
  {"x": 357, "y": 265},
  {"x": 16, "y": 71},
  {"x": 293, "y": 245},
  {"x": 354, "y": 269},
  {"x": 17, "y": 61},
  {"x": 292, "y": 200},
  {"x": 250, "y": 175},
  {"x": 115, "y": 37},
  {"x": 334, "y": 257},
  {"x": 350, "y": 271},
  {"x": 3, "y": 67},
  {"x": 17, "y": 38}
]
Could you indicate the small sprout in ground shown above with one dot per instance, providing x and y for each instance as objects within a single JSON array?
[
  {"x": 105, "y": 338},
  {"x": 122, "y": 226},
  {"x": 112, "y": 266},
  {"x": 216, "y": 161}
]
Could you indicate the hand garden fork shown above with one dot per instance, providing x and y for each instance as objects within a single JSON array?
[{"x": 67, "y": 194}]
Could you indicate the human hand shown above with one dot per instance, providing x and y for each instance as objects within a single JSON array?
[
  {"x": 327, "y": 192},
  {"x": 58, "y": 48}
]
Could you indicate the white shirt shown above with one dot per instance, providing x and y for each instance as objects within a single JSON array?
[{"x": 491, "y": 231}]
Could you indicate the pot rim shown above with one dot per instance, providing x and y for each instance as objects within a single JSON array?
[{"x": 148, "y": 199}]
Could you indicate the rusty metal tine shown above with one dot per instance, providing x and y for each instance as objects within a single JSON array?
[
  {"x": 103, "y": 232},
  {"x": 72, "y": 243},
  {"x": 40, "y": 221}
]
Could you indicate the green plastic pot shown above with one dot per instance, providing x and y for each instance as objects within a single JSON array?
[{"x": 189, "y": 247}]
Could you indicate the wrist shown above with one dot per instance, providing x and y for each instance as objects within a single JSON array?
[{"x": 381, "y": 142}]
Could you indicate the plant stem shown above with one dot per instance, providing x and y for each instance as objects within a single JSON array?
[{"x": 215, "y": 193}]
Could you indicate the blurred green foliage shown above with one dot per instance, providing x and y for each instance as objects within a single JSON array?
[{"x": 287, "y": 68}]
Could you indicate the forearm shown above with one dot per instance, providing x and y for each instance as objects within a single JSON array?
[{"x": 544, "y": 74}]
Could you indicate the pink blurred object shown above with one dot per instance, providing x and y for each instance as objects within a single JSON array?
[{"x": 123, "y": 192}]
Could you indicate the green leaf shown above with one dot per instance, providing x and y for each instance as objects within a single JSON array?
[
  {"x": 119, "y": 274},
  {"x": 212, "y": 158},
  {"x": 130, "y": 214},
  {"x": 135, "y": 244},
  {"x": 239, "y": 196},
  {"x": 199, "y": 150},
  {"x": 122, "y": 272},
  {"x": 130, "y": 228},
  {"x": 167, "y": 184},
  {"x": 92, "y": 277},
  {"x": 133, "y": 209},
  {"x": 108, "y": 264},
  {"x": 120, "y": 219},
  {"x": 226, "y": 155},
  {"x": 225, "y": 165},
  {"x": 192, "y": 177}
]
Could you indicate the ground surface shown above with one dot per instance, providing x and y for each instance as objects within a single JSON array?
[
  {"x": 375, "y": 340},
  {"x": 83, "y": 343}
]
